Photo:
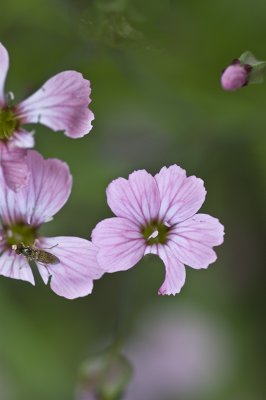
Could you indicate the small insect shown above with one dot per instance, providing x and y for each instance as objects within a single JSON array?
[{"x": 32, "y": 253}]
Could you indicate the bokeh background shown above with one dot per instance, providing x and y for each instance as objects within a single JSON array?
[{"x": 154, "y": 68}]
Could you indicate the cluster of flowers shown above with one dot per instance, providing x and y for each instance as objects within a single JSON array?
[{"x": 154, "y": 214}]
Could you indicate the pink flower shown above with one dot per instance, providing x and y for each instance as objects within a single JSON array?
[
  {"x": 244, "y": 70},
  {"x": 235, "y": 76},
  {"x": 158, "y": 215},
  {"x": 60, "y": 104},
  {"x": 23, "y": 213},
  {"x": 177, "y": 351}
]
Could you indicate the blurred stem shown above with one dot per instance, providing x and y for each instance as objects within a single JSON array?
[{"x": 124, "y": 308}]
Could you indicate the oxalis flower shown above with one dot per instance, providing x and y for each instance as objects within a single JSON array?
[
  {"x": 23, "y": 213},
  {"x": 60, "y": 104},
  {"x": 157, "y": 215}
]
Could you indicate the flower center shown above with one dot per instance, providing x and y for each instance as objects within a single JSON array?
[
  {"x": 155, "y": 233},
  {"x": 8, "y": 123},
  {"x": 20, "y": 233}
]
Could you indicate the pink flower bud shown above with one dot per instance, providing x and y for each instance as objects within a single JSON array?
[{"x": 235, "y": 76}]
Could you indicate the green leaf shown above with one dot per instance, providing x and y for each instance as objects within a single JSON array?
[{"x": 248, "y": 58}]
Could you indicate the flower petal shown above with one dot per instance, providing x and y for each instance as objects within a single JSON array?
[
  {"x": 14, "y": 166},
  {"x": 192, "y": 240},
  {"x": 47, "y": 191},
  {"x": 61, "y": 104},
  {"x": 181, "y": 196},
  {"x": 15, "y": 266},
  {"x": 2, "y": 242},
  {"x": 120, "y": 244},
  {"x": 175, "y": 273},
  {"x": 137, "y": 198},
  {"x": 73, "y": 276},
  {"x": 4, "y": 65},
  {"x": 23, "y": 139}
]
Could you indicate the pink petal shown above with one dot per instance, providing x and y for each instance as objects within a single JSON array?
[
  {"x": 15, "y": 266},
  {"x": 193, "y": 239},
  {"x": 4, "y": 65},
  {"x": 136, "y": 198},
  {"x": 61, "y": 104},
  {"x": 175, "y": 273},
  {"x": 120, "y": 243},
  {"x": 73, "y": 276},
  {"x": 14, "y": 166},
  {"x": 23, "y": 139},
  {"x": 181, "y": 196},
  {"x": 47, "y": 191},
  {"x": 2, "y": 243}
]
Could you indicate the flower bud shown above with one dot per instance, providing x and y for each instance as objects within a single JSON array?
[
  {"x": 104, "y": 376},
  {"x": 242, "y": 71},
  {"x": 235, "y": 76}
]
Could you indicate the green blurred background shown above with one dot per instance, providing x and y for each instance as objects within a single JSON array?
[{"x": 154, "y": 68}]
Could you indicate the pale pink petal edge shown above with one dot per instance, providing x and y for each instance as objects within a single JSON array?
[
  {"x": 175, "y": 273},
  {"x": 4, "y": 66},
  {"x": 73, "y": 276},
  {"x": 120, "y": 244},
  {"x": 60, "y": 104}
]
